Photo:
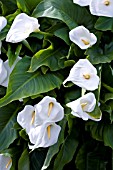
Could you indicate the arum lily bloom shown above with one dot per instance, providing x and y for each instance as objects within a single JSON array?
[
  {"x": 44, "y": 135},
  {"x": 48, "y": 110},
  {"x": 82, "y": 2},
  {"x": 82, "y": 37},
  {"x": 3, "y": 23},
  {"x": 39, "y": 122},
  {"x": 5, "y": 71},
  {"x": 5, "y": 162},
  {"x": 21, "y": 28},
  {"x": 84, "y": 105},
  {"x": 84, "y": 75},
  {"x": 102, "y": 8}
]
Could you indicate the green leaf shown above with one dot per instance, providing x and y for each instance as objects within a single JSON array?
[
  {"x": 27, "y": 5},
  {"x": 47, "y": 57},
  {"x": 104, "y": 23},
  {"x": 55, "y": 148},
  {"x": 96, "y": 55},
  {"x": 24, "y": 162},
  {"x": 91, "y": 155},
  {"x": 37, "y": 158},
  {"x": 23, "y": 84},
  {"x": 7, "y": 120},
  {"x": 13, "y": 53},
  {"x": 5, "y": 6},
  {"x": 108, "y": 96},
  {"x": 66, "y": 11},
  {"x": 96, "y": 129},
  {"x": 66, "y": 152},
  {"x": 108, "y": 135}
]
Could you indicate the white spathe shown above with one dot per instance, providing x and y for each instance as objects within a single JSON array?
[
  {"x": 3, "y": 22},
  {"x": 84, "y": 105},
  {"x": 39, "y": 122},
  {"x": 5, "y": 71},
  {"x": 48, "y": 110},
  {"x": 82, "y": 37},
  {"x": 26, "y": 118},
  {"x": 39, "y": 135},
  {"x": 21, "y": 28},
  {"x": 5, "y": 162},
  {"x": 102, "y": 8},
  {"x": 82, "y": 2},
  {"x": 84, "y": 75}
]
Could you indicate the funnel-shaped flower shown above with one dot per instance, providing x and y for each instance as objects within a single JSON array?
[
  {"x": 84, "y": 105},
  {"x": 44, "y": 135},
  {"x": 48, "y": 110},
  {"x": 39, "y": 122},
  {"x": 5, "y": 71},
  {"x": 102, "y": 8},
  {"x": 82, "y": 2},
  {"x": 82, "y": 37},
  {"x": 84, "y": 75},
  {"x": 21, "y": 28},
  {"x": 5, "y": 162}
]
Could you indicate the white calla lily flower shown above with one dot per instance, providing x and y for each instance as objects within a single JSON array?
[
  {"x": 84, "y": 105},
  {"x": 48, "y": 110},
  {"x": 39, "y": 122},
  {"x": 84, "y": 75},
  {"x": 82, "y": 37},
  {"x": 5, "y": 71},
  {"x": 21, "y": 28},
  {"x": 102, "y": 8},
  {"x": 5, "y": 162},
  {"x": 82, "y": 2},
  {"x": 44, "y": 135}
]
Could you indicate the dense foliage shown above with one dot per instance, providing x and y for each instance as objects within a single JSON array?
[{"x": 47, "y": 57}]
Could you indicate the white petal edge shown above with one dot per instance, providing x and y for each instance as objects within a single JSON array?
[
  {"x": 41, "y": 138},
  {"x": 9, "y": 70},
  {"x": 24, "y": 118},
  {"x": 3, "y": 22},
  {"x": 82, "y": 2}
]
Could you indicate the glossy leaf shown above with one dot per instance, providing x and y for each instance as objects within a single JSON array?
[
  {"x": 47, "y": 57},
  {"x": 104, "y": 24},
  {"x": 27, "y": 5},
  {"x": 24, "y": 162},
  {"x": 65, "y": 11},
  {"x": 67, "y": 152},
  {"x": 23, "y": 84},
  {"x": 7, "y": 120},
  {"x": 13, "y": 53},
  {"x": 96, "y": 56}
]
